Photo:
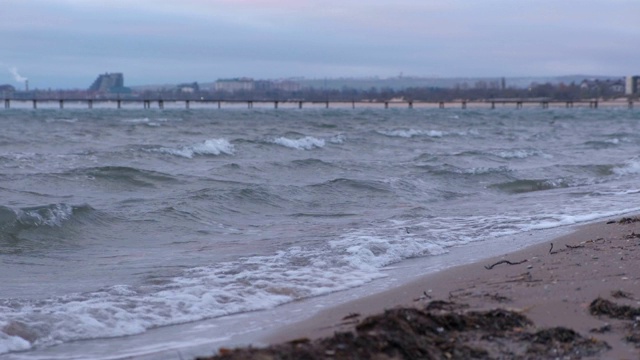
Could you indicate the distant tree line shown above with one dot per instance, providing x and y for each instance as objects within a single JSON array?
[{"x": 481, "y": 90}]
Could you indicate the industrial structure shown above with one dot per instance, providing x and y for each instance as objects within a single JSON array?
[{"x": 109, "y": 83}]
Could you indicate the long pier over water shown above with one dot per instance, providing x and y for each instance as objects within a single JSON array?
[{"x": 119, "y": 103}]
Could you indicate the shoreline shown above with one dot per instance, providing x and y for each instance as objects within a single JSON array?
[{"x": 553, "y": 286}]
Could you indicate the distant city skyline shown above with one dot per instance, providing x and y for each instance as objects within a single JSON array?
[{"x": 66, "y": 43}]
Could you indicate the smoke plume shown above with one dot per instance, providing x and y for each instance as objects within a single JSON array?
[{"x": 16, "y": 76}]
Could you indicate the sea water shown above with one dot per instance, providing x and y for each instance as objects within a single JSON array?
[{"x": 130, "y": 222}]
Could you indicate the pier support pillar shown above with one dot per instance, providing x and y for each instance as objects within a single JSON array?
[
  {"x": 7, "y": 103},
  {"x": 61, "y": 102},
  {"x": 249, "y": 104},
  {"x": 327, "y": 104},
  {"x": 186, "y": 104},
  {"x": 90, "y": 103},
  {"x": 441, "y": 105},
  {"x": 386, "y": 105},
  {"x": 464, "y": 104},
  {"x": 630, "y": 104},
  {"x": 519, "y": 105},
  {"x": 161, "y": 104},
  {"x": 219, "y": 105},
  {"x": 299, "y": 104},
  {"x": 493, "y": 105},
  {"x": 410, "y": 104},
  {"x": 119, "y": 104},
  {"x": 545, "y": 104},
  {"x": 569, "y": 104},
  {"x": 35, "y": 103},
  {"x": 275, "y": 104},
  {"x": 353, "y": 104}
]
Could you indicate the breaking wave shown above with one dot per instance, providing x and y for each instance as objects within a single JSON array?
[
  {"x": 54, "y": 215},
  {"x": 523, "y": 186},
  {"x": 630, "y": 167},
  {"x": 207, "y": 147},
  {"x": 305, "y": 143},
  {"x": 409, "y": 133}
]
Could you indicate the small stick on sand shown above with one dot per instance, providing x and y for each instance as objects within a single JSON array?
[{"x": 504, "y": 262}]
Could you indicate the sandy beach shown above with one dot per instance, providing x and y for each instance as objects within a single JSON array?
[{"x": 572, "y": 297}]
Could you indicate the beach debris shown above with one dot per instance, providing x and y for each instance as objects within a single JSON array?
[
  {"x": 565, "y": 341},
  {"x": 498, "y": 298},
  {"x": 629, "y": 220},
  {"x": 551, "y": 249},
  {"x": 441, "y": 305},
  {"x": 410, "y": 333},
  {"x": 634, "y": 333},
  {"x": 633, "y": 235},
  {"x": 489, "y": 267},
  {"x": 608, "y": 308},
  {"x": 573, "y": 246},
  {"x": 602, "y": 329},
  {"x": 619, "y": 294},
  {"x": 422, "y": 297},
  {"x": 351, "y": 316}
]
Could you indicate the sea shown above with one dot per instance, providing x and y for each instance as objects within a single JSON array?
[{"x": 149, "y": 233}]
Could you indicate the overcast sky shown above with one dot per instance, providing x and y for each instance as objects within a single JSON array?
[{"x": 67, "y": 43}]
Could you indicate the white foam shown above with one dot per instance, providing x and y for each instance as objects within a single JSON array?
[
  {"x": 630, "y": 167},
  {"x": 338, "y": 139},
  {"x": 12, "y": 343},
  {"x": 52, "y": 215},
  {"x": 258, "y": 282},
  {"x": 208, "y": 147},
  {"x": 305, "y": 143},
  {"x": 404, "y": 133},
  {"x": 516, "y": 153}
]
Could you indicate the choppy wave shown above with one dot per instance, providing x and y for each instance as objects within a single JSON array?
[
  {"x": 629, "y": 167},
  {"x": 517, "y": 153},
  {"x": 507, "y": 154},
  {"x": 124, "y": 174},
  {"x": 250, "y": 283},
  {"x": 449, "y": 170},
  {"x": 526, "y": 185},
  {"x": 603, "y": 144},
  {"x": 305, "y": 143},
  {"x": 346, "y": 185},
  {"x": 208, "y": 147},
  {"x": 409, "y": 133},
  {"x": 54, "y": 215}
]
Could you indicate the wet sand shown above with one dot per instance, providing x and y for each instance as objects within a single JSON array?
[{"x": 577, "y": 296}]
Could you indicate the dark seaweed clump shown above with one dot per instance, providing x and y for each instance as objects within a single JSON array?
[{"x": 443, "y": 332}]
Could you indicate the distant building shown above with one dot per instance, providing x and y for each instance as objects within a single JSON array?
[
  {"x": 109, "y": 83},
  {"x": 608, "y": 86},
  {"x": 189, "y": 88},
  {"x": 7, "y": 89},
  {"x": 287, "y": 85},
  {"x": 233, "y": 85},
  {"x": 631, "y": 85}
]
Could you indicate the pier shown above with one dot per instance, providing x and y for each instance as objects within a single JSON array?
[{"x": 119, "y": 103}]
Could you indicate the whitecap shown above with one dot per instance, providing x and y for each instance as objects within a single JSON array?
[
  {"x": 408, "y": 133},
  {"x": 305, "y": 143},
  {"x": 208, "y": 147},
  {"x": 630, "y": 167}
]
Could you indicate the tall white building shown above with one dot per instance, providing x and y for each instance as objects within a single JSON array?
[{"x": 631, "y": 87}]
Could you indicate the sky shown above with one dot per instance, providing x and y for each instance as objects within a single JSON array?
[{"x": 63, "y": 44}]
